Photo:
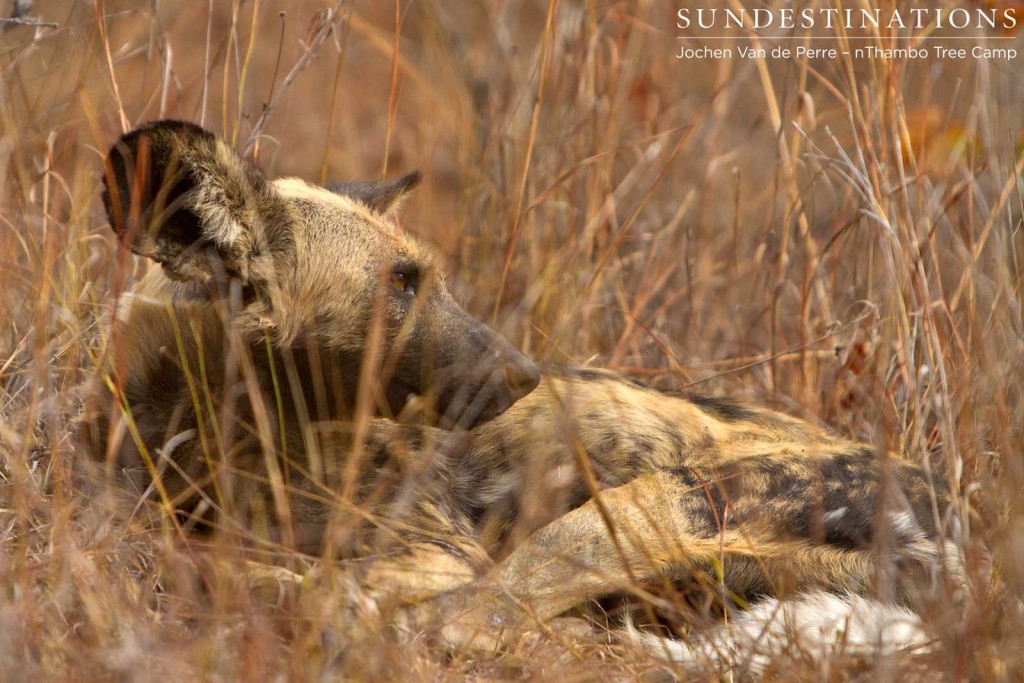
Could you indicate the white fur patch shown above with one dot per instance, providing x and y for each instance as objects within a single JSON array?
[
  {"x": 834, "y": 515},
  {"x": 905, "y": 524},
  {"x": 814, "y": 625}
]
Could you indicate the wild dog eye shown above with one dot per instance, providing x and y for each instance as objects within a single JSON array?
[
  {"x": 405, "y": 280},
  {"x": 400, "y": 282}
]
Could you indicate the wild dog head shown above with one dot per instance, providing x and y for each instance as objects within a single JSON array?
[{"x": 315, "y": 268}]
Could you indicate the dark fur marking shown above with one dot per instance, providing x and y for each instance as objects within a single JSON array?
[
  {"x": 850, "y": 482},
  {"x": 672, "y": 436},
  {"x": 724, "y": 409},
  {"x": 704, "y": 500},
  {"x": 577, "y": 495},
  {"x": 590, "y": 375},
  {"x": 644, "y": 446},
  {"x": 610, "y": 442},
  {"x": 853, "y": 480},
  {"x": 381, "y": 456},
  {"x": 379, "y": 195},
  {"x": 800, "y": 500}
]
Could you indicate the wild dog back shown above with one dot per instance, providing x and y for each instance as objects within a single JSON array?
[{"x": 780, "y": 502}]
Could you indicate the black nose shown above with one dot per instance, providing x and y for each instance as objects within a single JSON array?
[{"x": 522, "y": 377}]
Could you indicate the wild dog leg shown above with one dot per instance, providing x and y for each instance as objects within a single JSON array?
[
  {"x": 661, "y": 527},
  {"x": 419, "y": 573},
  {"x": 356, "y": 600},
  {"x": 632, "y": 532}
]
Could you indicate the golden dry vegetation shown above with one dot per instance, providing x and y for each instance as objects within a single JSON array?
[{"x": 837, "y": 238}]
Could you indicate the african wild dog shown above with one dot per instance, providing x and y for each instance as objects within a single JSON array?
[
  {"x": 297, "y": 269},
  {"x": 237, "y": 378}
]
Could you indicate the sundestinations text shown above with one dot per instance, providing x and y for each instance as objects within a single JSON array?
[{"x": 918, "y": 18}]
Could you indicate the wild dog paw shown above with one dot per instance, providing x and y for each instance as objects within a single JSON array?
[
  {"x": 480, "y": 622},
  {"x": 487, "y": 620},
  {"x": 349, "y": 613},
  {"x": 461, "y": 619}
]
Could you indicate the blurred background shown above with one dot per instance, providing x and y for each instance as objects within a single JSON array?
[{"x": 838, "y": 238}]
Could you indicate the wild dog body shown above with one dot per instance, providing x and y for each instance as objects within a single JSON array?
[
  {"x": 593, "y": 484},
  {"x": 234, "y": 378}
]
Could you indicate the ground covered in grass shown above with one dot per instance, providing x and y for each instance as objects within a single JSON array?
[{"x": 835, "y": 237}]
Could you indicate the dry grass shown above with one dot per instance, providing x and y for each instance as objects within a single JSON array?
[{"x": 837, "y": 238}]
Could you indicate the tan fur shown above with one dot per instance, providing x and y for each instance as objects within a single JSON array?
[{"x": 232, "y": 382}]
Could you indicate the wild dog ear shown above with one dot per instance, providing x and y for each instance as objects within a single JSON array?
[
  {"x": 178, "y": 194},
  {"x": 382, "y": 196}
]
